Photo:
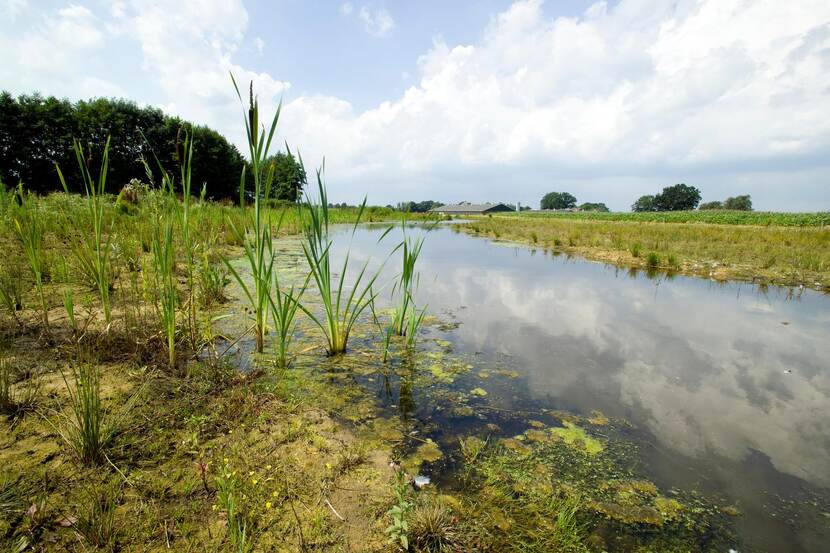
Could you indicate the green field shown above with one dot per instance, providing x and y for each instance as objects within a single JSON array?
[{"x": 715, "y": 216}]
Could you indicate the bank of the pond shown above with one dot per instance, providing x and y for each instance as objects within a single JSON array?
[{"x": 772, "y": 254}]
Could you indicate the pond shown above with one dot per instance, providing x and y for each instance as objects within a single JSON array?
[{"x": 722, "y": 389}]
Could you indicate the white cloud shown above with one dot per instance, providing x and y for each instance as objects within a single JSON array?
[
  {"x": 643, "y": 88},
  {"x": 346, "y": 8},
  {"x": 378, "y": 23},
  {"x": 260, "y": 45}
]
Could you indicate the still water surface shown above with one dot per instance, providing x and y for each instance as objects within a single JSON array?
[{"x": 727, "y": 385}]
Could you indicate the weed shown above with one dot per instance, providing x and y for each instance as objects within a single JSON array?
[
  {"x": 635, "y": 249},
  {"x": 93, "y": 245},
  {"x": 226, "y": 495},
  {"x": 16, "y": 399},
  {"x": 163, "y": 262},
  {"x": 89, "y": 430},
  {"x": 398, "y": 531},
  {"x": 29, "y": 227},
  {"x": 96, "y": 516},
  {"x": 433, "y": 528},
  {"x": 653, "y": 260}
]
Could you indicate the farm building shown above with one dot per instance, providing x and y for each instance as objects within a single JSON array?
[{"x": 466, "y": 208}]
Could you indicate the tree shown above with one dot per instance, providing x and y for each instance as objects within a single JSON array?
[
  {"x": 418, "y": 207},
  {"x": 643, "y": 203},
  {"x": 679, "y": 197},
  {"x": 37, "y": 132},
  {"x": 289, "y": 177},
  {"x": 740, "y": 203},
  {"x": 588, "y": 206},
  {"x": 710, "y": 205},
  {"x": 558, "y": 200}
]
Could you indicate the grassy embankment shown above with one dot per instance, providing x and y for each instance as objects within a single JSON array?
[{"x": 774, "y": 248}]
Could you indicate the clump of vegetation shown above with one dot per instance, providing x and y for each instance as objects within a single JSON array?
[
  {"x": 16, "y": 399},
  {"x": 88, "y": 430},
  {"x": 341, "y": 305}
]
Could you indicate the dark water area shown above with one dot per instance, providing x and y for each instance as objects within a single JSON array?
[{"x": 725, "y": 387}]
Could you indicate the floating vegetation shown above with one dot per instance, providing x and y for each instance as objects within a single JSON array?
[{"x": 577, "y": 437}]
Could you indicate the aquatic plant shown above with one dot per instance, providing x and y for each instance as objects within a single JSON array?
[
  {"x": 284, "y": 306},
  {"x": 92, "y": 246},
  {"x": 433, "y": 527},
  {"x": 341, "y": 308},
  {"x": 258, "y": 251},
  {"x": 407, "y": 281},
  {"x": 11, "y": 286},
  {"x": 29, "y": 227}
]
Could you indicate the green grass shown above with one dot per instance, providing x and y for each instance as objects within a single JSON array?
[
  {"x": 781, "y": 254},
  {"x": 716, "y": 217}
]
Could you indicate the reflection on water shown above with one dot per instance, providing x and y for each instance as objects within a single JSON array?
[{"x": 728, "y": 384}]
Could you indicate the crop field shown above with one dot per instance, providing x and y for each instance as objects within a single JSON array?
[{"x": 714, "y": 217}]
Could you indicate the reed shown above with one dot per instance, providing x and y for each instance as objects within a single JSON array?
[
  {"x": 259, "y": 249},
  {"x": 93, "y": 245},
  {"x": 166, "y": 292},
  {"x": 341, "y": 307},
  {"x": 29, "y": 227}
]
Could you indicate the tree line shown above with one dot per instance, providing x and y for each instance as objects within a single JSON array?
[
  {"x": 37, "y": 132},
  {"x": 680, "y": 197}
]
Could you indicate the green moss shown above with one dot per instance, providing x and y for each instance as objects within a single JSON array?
[{"x": 576, "y": 437}]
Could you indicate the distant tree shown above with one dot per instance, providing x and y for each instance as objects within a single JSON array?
[
  {"x": 418, "y": 207},
  {"x": 679, "y": 197},
  {"x": 558, "y": 200},
  {"x": 710, "y": 205},
  {"x": 289, "y": 176},
  {"x": 740, "y": 203},
  {"x": 643, "y": 203},
  {"x": 588, "y": 206}
]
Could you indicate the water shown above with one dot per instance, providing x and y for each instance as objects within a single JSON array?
[{"x": 726, "y": 386}]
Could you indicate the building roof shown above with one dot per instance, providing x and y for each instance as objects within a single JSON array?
[{"x": 468, "y": 208}]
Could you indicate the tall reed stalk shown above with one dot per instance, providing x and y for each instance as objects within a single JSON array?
[
  {"x": 164, "y": 265},
  {"x": 406, "y": 284},
  {"x": 92, "y": 247},
  {"x": 256, "y": 232},
  {"x": 341, "y": 307},
  {"x": 29, "y": 228}
]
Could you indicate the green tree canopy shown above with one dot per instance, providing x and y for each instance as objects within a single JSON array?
[
  {"x": 710, "y": 205},
  {"x": 739, "y": 203},
  {"x": 558, "y": 200},
  {"x": 643, "y": 203},
  {"x": 37, "y": 132},
  {"x": 418, "y": 207},
  {"x": 588, "y": 206},
  {"x": 679, "y": 197},
  {"x": 289, "y": 176}
]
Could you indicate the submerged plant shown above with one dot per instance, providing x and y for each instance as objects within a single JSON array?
[
  {"x": 93, "y": 245},
  {"x": 341, "y": 306},
  {"x": 258, "y": 251}
]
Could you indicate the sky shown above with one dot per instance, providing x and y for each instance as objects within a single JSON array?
[{"x": 480, "y": 101}]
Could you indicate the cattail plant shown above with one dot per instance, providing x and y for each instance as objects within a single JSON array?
[
  {"x": 406, "y": 284},
  {"x": 284, "y": 306},
  {"x": 256, "y": 234},
  {"x": 341, "y": 307},
  {"x": 92, "y": 247}
]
